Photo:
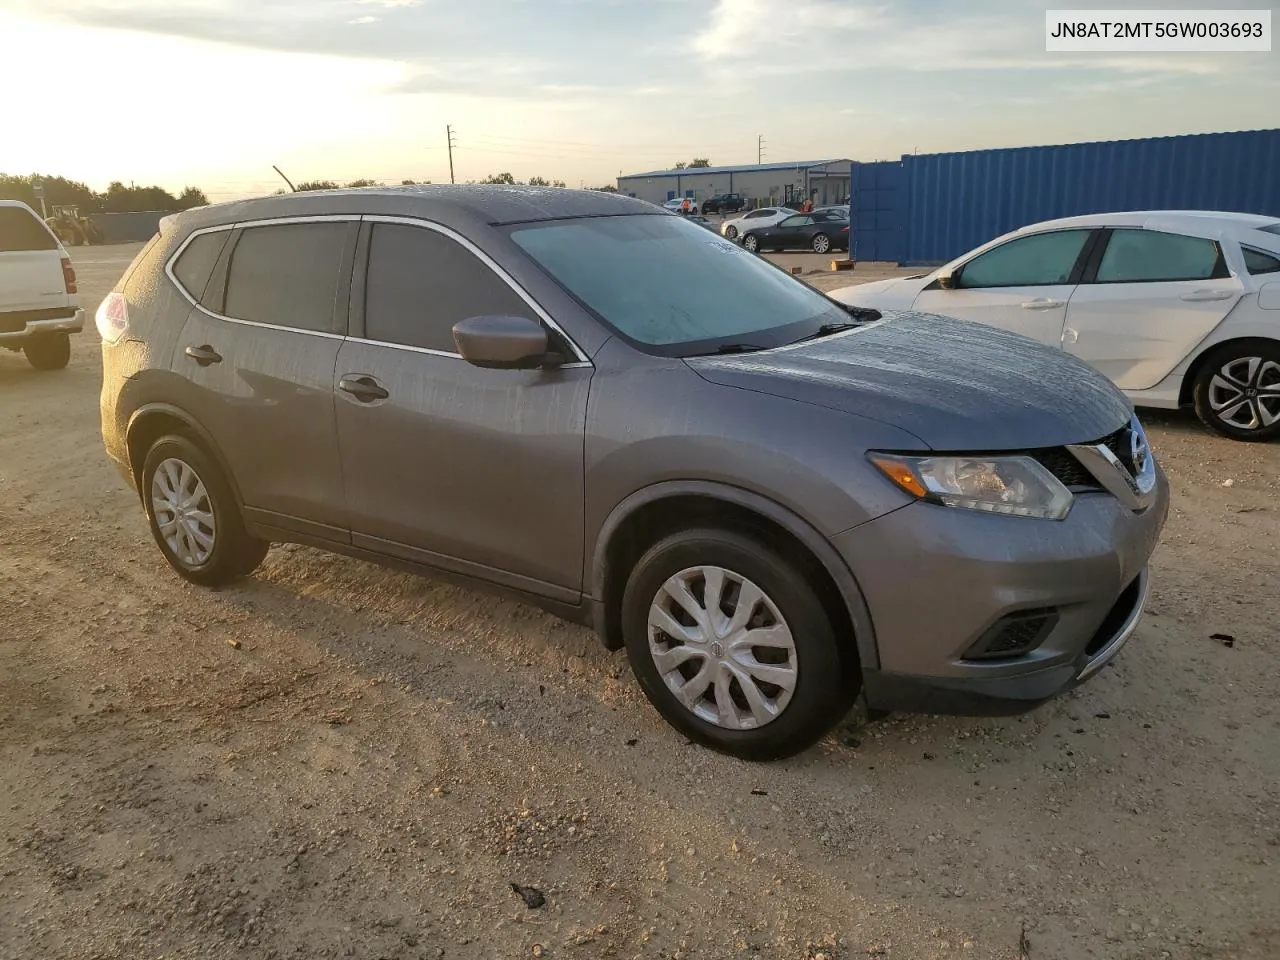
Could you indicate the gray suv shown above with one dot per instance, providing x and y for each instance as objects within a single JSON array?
[{"x": 771, "y": 500}]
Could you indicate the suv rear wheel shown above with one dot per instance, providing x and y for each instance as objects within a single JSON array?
[
  {"x": 50, "y": 351},
  {"x": 194, "y": 516},
  {"x": 732, "y": 645}
]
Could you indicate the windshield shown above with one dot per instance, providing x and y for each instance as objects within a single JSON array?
[{"x": 674, "y": 288}]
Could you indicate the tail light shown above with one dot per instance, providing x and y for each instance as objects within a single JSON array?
[
  {"x": 69, "y": 276},
  {"x": 112, "y": 318}
]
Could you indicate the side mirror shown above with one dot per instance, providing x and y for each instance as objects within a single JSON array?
[
  {"x": 948, "y": 281},
  {"x": 501, "y": 343}
]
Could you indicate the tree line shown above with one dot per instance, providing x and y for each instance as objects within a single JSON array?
[{"x": 117, "y": 198}]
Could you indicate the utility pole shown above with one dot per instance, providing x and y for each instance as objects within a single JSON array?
[
  {"x": 760, "y": 149},
  {"x": 449, "y": 135}
]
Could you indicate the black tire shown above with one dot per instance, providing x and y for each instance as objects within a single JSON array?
[
  {"x": 50, "y": 351},
  {"x": 825, "y": 681},
  {"x": 751, "y": 242},
  {"x": 235, "y": 553},
  {"x": 821, "y": 240},
  {"x": 731, "y": 232},
  {"x": 1259, "y": 397}
]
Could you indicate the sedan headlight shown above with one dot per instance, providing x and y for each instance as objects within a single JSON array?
[{"x": 1017, "y": 486}]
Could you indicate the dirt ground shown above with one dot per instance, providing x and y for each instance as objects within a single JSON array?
[{"x": 333, "y": 760}]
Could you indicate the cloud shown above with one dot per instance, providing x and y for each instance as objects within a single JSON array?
[
  {"x": 742, "y": 28},
  {"x": 363, "y": 20}
]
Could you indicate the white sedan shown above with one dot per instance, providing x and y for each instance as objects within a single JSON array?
[
  {"x": 1176, "y": 307},
  {"x": 764, "y": 217}
]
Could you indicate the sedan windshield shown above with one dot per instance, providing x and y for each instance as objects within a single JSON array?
[{"x": 673, "y": 288}]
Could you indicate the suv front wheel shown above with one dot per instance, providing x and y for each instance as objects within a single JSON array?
[
  {"x": 194, "y": 516},
  {"x": 733, "y": 646}
]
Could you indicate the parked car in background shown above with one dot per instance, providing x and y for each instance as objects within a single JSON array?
[
  {"x": 819, "y": 232},
  {"x": 39, "y": 299},
  {"x": 764, "y": 217},
  {"x": 264, "y": 365},
  {"x": 676, "y": 204},
  {"x": 724, "y": 203},
  {"x": 1176, "y": 307}
]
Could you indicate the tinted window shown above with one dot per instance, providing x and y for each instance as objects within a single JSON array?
[
  {"x": 20, "y": 230},
  {"x": 287, "y": 275},
  {"x": 1135, "y": 256},
  {"x": 1038, "y": 260},
  {"x": 667, "y": 283},
  {"x": 1256, "y": 262},
  {"x": 1271, "y": 227},
  {"x": 196, "y": 264},
  {"x": 796, "y": 222},
  {"x": 421, "y": 283}
]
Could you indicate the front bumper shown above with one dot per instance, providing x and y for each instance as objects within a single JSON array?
[
  {"x": 36, "y": 328},
  {"x": 937, "y": 579}
]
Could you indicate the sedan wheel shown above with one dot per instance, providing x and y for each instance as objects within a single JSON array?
[
  {"x": 751, "y": 243},
  {"x": 821, "y": 243},
  {"x": 731, "y": 232},
  {"x": 1237, "y": 392},
  {"x": 732, "y": 644}
]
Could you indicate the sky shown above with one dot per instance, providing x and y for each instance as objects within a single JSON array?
[{"x": 214, "y": 92}]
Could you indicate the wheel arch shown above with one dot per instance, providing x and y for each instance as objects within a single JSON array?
[
  {"x": 651, "y": 513},
  {"x": 152, "y": 421},
  {"x": 1186, "y": 390}
]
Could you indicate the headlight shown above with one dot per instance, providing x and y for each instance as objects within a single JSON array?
[{"x": 1018, "y": 486}]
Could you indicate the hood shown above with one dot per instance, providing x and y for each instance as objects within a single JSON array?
[
  {"x": 956, "y": 385},
  {"x": 898, "y": 293}
]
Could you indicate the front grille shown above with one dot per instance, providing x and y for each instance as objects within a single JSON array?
[
  {"x": 1118, "y": 444},
  {"x": 1062, "y": 464},
  {"x": 1013, "y": 635}
]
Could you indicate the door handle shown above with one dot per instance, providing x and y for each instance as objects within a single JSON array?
[
  {"x": 363, "y": 388},
  {"x": 1201, "y": 296},
  {"x": 204, "y": 355},
  {"x": 1043, "y": 303}
]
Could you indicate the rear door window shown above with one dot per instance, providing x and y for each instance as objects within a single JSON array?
[
  {"x": 1149, "y": 256},
  {"x": 1042, "y": 259},
  {"x": 22, "y": 230},
  {"x": 421, "y": 282},
  {"x": 195, "y": 265},
  {"x": 287, "y": 275}
]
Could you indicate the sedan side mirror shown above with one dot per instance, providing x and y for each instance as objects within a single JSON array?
[
  {"x": 501, "y": 342},
  {"x": 948, "y": 281}
]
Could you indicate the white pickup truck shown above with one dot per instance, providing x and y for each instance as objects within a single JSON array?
[{"x": 39, "y": 305}]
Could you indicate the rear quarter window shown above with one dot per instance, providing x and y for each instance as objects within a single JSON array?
[
  {"x": 22, "y": 230},
  {"x": 195, "y": 265}
]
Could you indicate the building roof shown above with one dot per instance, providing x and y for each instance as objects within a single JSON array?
[{"x": 744, "y": 168}]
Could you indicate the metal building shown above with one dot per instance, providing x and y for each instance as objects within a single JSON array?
[
  {"x": 825, "y": 181},
  {"x": 929, "y": 209}
]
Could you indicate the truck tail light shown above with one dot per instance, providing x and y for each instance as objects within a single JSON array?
[
  {"x": 69, "y": 276},
  {"x": 112, "y": 318}
]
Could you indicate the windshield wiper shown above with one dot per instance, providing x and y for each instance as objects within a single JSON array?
[{"x": 826, "y": 330}]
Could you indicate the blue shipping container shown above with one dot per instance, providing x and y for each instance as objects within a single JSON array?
[{"x": 948, "y": 203}]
